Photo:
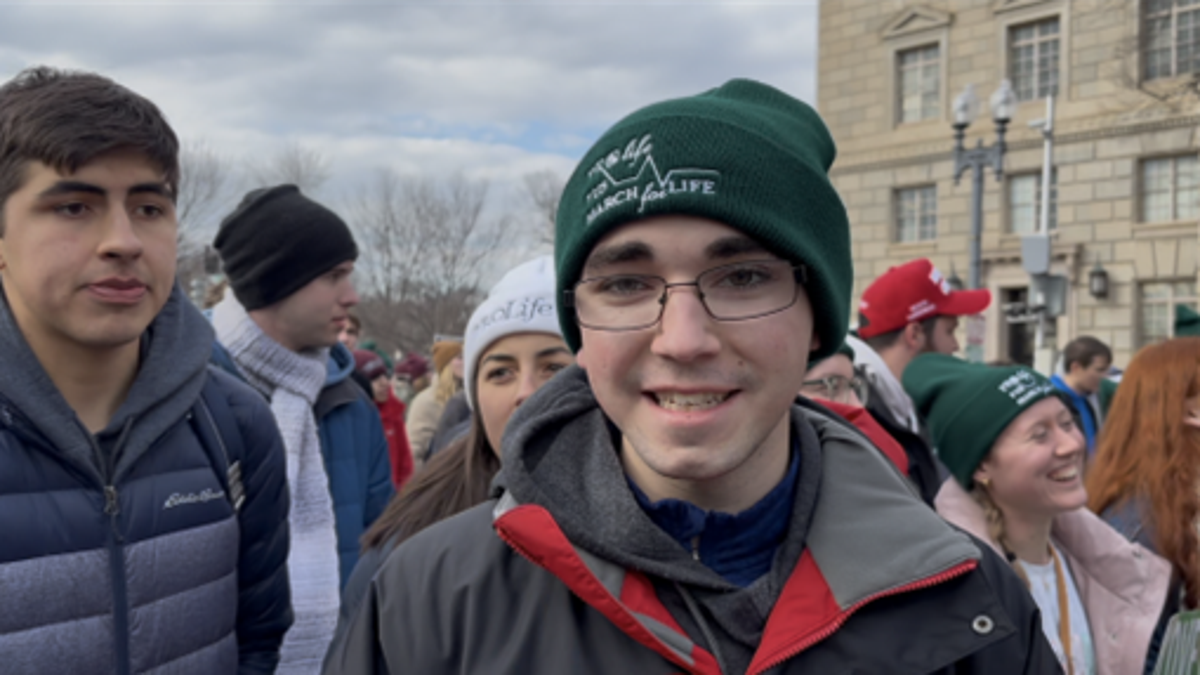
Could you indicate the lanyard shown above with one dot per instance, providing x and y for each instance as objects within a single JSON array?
[{"x": 1064, "y": 611}]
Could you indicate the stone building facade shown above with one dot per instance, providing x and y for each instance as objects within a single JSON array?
[{"x": 1125, "y": 192}]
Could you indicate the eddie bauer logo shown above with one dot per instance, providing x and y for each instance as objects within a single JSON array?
[
  {"x": 636, "y": 154},
  {"x": 178, "y": 499}
]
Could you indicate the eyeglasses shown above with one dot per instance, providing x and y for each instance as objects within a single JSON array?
[
  {"x": 734, "y": 292},
  {"x": 837, "y": 388}
]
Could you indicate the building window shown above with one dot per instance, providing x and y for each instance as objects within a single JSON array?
[
  {"x": 1172, "y": 37},
  {"x": 916, "y": 214},
  {"x": 1158, "y": 307},
  {"x": 1170, "y": 189},
  {"x": 919, "y": 78},
  {"x": 1033, "y": 59},
  {"x": 1025, "y": 202}
]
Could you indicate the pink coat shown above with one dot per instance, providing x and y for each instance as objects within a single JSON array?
[{"x": 1123, "y": 586}]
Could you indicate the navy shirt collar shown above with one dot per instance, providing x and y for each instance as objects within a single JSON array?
[{"x": 739, "y": 547}]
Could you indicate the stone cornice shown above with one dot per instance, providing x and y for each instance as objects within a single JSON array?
[{"x": 925, "y": 153}]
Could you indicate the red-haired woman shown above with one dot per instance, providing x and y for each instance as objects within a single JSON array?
[{"x": 1145, "y": 480}]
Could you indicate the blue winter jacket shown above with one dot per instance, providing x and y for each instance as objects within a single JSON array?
[
  {"x": 354, "y": 448},
  {"x": 121, "y": 552}
]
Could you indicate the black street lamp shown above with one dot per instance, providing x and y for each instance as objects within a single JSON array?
[
  {"x": 1098, "y": 280},
  {"x": 966, "y": 109}
]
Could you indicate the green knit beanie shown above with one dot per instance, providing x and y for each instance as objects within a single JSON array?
[
  {"x": 968, "y": 405},
  {"x": 743, "y": 154},
  {"x": 1187, "y": 321}
]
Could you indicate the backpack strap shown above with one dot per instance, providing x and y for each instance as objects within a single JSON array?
[{"x": 217, "y": 429}]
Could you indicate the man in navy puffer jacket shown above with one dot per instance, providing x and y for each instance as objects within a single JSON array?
[{"x": 143, "y": 495}]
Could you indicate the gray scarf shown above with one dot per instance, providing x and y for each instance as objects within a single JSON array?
[{"x": 293, "y": 381}]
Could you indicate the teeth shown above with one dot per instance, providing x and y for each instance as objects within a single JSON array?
[
  {"x": 1065, "y": 474},
  {"x": 690, "y": 401}
]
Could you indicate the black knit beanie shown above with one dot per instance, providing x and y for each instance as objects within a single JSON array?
[{"x": 276, "y": 241}]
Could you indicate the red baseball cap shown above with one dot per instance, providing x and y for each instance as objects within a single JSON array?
[{"x": 912, "y": 292}]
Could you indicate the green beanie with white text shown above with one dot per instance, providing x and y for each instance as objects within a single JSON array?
[
  {"x": 745, "y": 155},
  {"x": 968, "y": 405}
]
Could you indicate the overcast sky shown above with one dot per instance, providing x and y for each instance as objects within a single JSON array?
[{"x": 494, "y": 90}]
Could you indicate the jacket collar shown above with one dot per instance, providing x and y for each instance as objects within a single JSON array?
[
  {"x": 869, "y": 537},
  {"x": 1123, "y": 586}
]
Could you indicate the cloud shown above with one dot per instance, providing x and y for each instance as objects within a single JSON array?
[{"x": 491, "y": 89}]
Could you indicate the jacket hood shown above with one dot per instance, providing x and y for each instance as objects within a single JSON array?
[
  {"x": 559, "y": 453},
  {"x": 174, "y": 356},
  {"x": 340, "y": 365}
]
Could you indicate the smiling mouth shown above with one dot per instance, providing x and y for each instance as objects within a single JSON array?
[
  {"x": 689, "y": 402},
  {"x": 1065, "y": 475}
]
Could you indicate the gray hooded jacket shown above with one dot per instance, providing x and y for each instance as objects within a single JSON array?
[{"x": 564, "y": 572}]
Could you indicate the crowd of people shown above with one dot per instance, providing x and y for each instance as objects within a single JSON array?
[{"x": 660, "y": 449}]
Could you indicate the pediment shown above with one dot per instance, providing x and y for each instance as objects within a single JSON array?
[
  {"x": 1000, "y": 6},
  {"x": 916, "y": 20}
]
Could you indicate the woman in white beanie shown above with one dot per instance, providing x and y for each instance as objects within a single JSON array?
[{"x": 512, "y": 346}]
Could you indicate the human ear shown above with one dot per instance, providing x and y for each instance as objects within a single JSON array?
[
  {"x": 982, "y": 476},
  {"x": 913, "y": 336},
  {"x": 1191, "y": 416}
]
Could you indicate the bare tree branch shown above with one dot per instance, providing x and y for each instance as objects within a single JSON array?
[
  {"x": 543, "y": 190},
  {"x": 301, "y": 166},
  {"x": 425, "y": 243},
  {"x": 205, "y": 184}
]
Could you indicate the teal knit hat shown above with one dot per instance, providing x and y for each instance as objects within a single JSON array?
[
  {"x": 743, "y": 154},
  {"x": 1187, "y": 321},
  {"x": 968, "y": 405}
]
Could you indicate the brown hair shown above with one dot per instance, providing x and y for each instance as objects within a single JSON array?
[
  {"x": 65, "y": 119},
  {"x": 1146, "y": 452},
  {"x": 884, "y": 341},
  {"x": 457, "y": 478},
  {"x": 447, "y": 384},
  {"x": 1083, "y": 350},
  {"x": 995, "y": 525}
]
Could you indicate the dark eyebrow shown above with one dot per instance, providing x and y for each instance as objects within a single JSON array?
[
  {"x": 634, "y": 251},
  {"x": 551, "y": 351},
  {"x": 160, "y": 189},
  {"x": 731, "y": 247},
  {"x": 67, "y": 187}
]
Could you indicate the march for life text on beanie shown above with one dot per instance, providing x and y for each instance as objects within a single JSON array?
[
  {"x": 912, "y": 292},
  {"x": 521, "y": 302},
  {"x": 278, "y": 240},
  {"x": 968, "y": 405},
  {"x": 743, "y": 154}
]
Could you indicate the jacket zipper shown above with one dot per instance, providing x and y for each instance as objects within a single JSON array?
[
  {"x": 116, "y": 556},
  {"x": 116, "y": 551},
  {"x": 841, "y": 619}
]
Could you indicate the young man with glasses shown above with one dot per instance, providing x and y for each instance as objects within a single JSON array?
[{"x": 670, "y": 504}]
